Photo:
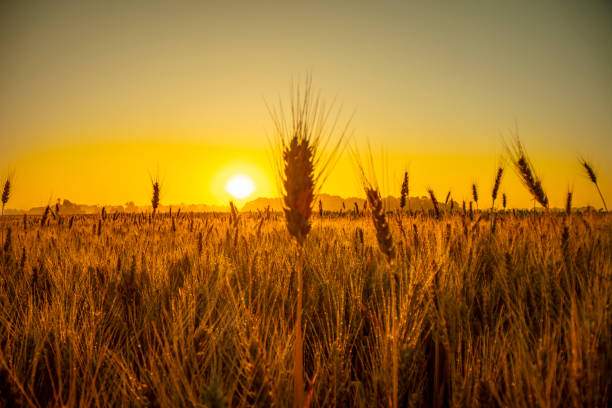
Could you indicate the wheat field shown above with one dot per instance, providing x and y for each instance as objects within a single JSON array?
[{"x": 482, "y": 309}]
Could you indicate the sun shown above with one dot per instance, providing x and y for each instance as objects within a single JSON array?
[{"x": 240, "y": 186}]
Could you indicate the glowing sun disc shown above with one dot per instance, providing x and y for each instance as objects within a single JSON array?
[{"x": 240, "y": 186}]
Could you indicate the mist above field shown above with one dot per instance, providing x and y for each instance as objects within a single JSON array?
[{"x": 330, "y": 203}]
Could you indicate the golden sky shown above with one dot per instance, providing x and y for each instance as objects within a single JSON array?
[{"x": 95, "y": 96}]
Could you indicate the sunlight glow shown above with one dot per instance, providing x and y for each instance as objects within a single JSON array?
[{"x": 240, "y": 186}]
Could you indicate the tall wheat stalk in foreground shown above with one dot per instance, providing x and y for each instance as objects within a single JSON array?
[
  {"x": 526, "y": 173},
  {"x": 303, "y": 166},
  {"x": 593, "y": 177}
]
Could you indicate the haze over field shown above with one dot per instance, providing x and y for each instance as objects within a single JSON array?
[{"x": 98, "y": 95}]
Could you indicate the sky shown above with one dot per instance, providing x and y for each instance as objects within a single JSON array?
[{"x": 95, "y": 97}]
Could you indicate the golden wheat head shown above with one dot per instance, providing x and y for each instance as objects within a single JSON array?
[
  {"x": 527, "y": 174},
  {"x": 379, "y": 219},
  {"x": 593, "y": 177},
  {"x": 298, "y": 186},
  {"x": 303, "y": 158}
]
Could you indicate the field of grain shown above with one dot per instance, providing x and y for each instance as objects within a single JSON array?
[{"x": 199, "y": 309}]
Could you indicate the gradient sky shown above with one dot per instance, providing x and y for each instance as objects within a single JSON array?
[{"x": 95, "y": 96}]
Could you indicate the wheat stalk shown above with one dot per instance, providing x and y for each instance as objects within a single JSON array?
[
  {"x": 379, "y": 219},
  {"x": 385, "y": 244},
  {"x": 593, "y": 177},
  {"x": 302, "y": 140},
  {"x": 6, "y": 192},
  {"x": 45, "y": 215},
  {"x": 234, "y": 217},
  {"x": 526, "y": 173},
  {"x": 496, "y": 184},
  {"x": 155, "y": 198},
  {"x": 404, "y": 195},
  {"x": 434, "y": 202}
]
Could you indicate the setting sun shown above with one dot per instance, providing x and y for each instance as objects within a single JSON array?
[{"x": 240, "y": 186}]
